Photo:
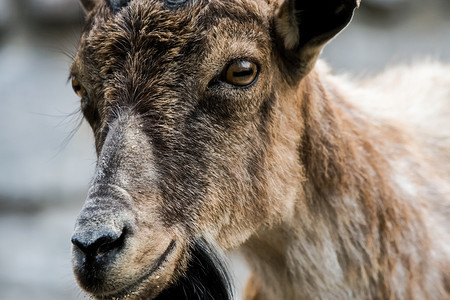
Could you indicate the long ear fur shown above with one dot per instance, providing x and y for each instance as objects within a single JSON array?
[
  {"x": 88, "y": 5},
  {"x": 305, "y": 26},
  {"x": 206, "y": 277}
]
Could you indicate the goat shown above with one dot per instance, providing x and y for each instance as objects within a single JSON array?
[{"x": 216, "y": 127}]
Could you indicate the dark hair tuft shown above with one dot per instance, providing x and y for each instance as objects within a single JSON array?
[{"x": 206, "y": 277}]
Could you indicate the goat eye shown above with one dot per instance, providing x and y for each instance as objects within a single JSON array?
[
  {"x": 78, "y": 88},
  {"x": 241, "y": 73}
]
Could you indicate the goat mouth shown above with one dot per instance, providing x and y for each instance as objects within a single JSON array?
[{"x": 133, "y": 287}]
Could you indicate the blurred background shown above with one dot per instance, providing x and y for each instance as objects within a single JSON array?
[{"x": 45, "y": 171}]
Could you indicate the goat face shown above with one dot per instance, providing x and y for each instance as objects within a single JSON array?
[{"x": 195, "y": 135}]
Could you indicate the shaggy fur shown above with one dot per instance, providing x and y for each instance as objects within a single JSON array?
[
  {"x": 206, "y": 277},
  {"x": 333, "y": 189}
]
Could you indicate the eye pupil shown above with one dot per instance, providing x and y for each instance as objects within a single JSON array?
[
  {"x": 241, "y": 73},
  {"x": 78, "y": 88}
]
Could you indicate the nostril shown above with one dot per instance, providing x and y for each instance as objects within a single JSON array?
[{"x": 100, "y": 242}]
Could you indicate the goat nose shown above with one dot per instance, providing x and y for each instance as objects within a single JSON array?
[{"x": 95, "y": 244}]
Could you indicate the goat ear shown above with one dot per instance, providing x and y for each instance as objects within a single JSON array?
[
  {"x": 88, "y": 5},
  {"x": 305, "y": 26}
]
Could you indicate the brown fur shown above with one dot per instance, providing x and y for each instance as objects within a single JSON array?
[{"x": 327, "y": 197}]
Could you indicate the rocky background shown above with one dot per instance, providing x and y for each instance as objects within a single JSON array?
[{"x": 46, "y": 164}]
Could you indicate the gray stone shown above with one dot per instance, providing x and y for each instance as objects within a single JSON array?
[
  {"x": 53, "y": 11},
  {"x": 35, "y": 107},
  {"x": 6, "y": 14},
  {"x": 35, "y": 255}
]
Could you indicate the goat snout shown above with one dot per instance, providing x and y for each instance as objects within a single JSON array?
[
  {"x": 107, "y": 233},
  {"x": 102, "y": 232},
  {"x": 100, "y": 243}
]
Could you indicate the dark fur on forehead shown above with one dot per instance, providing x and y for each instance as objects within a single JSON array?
[
  {"x": 174, "y": 4},
  {"x": 117, "y": 5},
  {"x": 206, "y": 277}
]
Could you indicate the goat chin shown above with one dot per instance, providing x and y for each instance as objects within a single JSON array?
[{"x": 206, "y": 277}]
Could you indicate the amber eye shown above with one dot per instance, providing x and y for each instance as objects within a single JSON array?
[
  {"x": 78, "y": 88},
  {"x": 241, "y": 73}
]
